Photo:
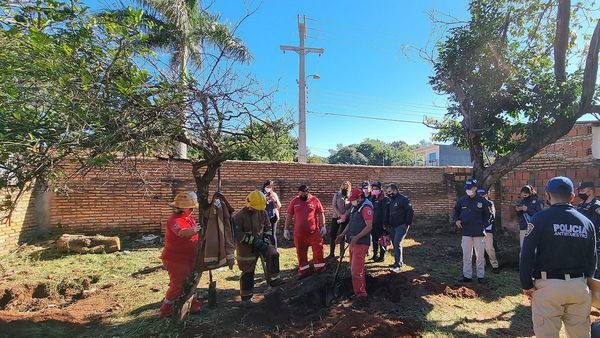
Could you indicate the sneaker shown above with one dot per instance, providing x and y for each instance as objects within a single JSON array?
[
  {"x": 392, "y": 265},
  {"x": 196, "y": 306},
  {"x": 481, "y": 280},
  {"x": 319, "y": 270},
  {"x": 397, "y": 269},
  {"x": 496, "y": 270},
  {"x": 465, "y": 280}
]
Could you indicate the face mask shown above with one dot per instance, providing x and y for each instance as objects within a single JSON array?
[
  {"x": 217, "y": 203},
  {"x": 345, "y": 192},
  {"x": 304, "y": 197},
  {"x": 375, "y": 192},
  {"x": 469, "y": 192},
  {"x": 268, "y": 190},
  {"x": 354, "y": 203},
  {"x": 583, "y": 196}
]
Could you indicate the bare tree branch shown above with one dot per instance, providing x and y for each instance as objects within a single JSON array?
[{"x": 561, "y": 40}]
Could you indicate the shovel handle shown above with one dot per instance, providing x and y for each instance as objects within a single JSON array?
[{"x": 337, "y": 269}]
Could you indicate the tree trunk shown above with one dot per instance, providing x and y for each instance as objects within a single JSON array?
[{"x": 88, "y": 244}]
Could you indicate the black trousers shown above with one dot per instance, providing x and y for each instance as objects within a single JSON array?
[
  {"x": 376, "y": 234},
  {"x": 336, "y": 228}
]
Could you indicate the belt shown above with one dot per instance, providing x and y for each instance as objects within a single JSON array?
[{"x": 563, "y": 276}]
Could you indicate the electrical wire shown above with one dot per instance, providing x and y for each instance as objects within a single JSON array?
[{"x": 364, "y": 117}]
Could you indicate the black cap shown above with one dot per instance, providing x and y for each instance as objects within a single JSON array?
[
  {"x": 365, "y": 184},
  {"x": 303, "y": 188},
  {"x": 376, "y": 184},
  {"x": 584, "y": 185}
]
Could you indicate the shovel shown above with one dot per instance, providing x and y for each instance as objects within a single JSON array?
[
  {"x": 332, "y": 291},
  {"x": 212, "y": 291}
]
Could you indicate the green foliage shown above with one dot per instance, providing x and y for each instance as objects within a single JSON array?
[
  {"x": 70, "y": 88},
  {"x": 498, "y": 72},
  {"x": 374, "y": 152},
  {"x": 262, "y": 141}
]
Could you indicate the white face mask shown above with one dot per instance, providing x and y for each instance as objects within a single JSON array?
[
  {"x": 268, "y": 190},
  {"x": 217, "y": 203},
  {"x": 470, "y": 192},
  {"x": 354, "y": 203}
]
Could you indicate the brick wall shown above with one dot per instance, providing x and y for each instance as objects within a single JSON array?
[
  {"x": 115, "y": 200},
  {"x": 570, "y": 156},
  {"x": 22, "y": 225}
]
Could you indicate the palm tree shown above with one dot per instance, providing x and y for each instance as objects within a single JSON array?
[{"x": 182, "y": 28}]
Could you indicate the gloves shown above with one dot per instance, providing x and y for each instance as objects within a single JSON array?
[
  {"x": 323, "y": 231},
  {"x": 268, "y": 238},
  {"x": 286, "y": 234},
  {"x": 248, "y": 238}
]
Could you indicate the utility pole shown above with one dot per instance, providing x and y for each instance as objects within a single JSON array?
[{"x": 302, "y": 51}]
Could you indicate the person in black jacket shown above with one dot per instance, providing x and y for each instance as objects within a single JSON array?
[
  {"x": 381, "y": 204},
  {"x": 558, "y": 255},
  {"x": 527, "y": 207},
  {"x": 590, "y": 208},
  {"x": 472, "y": 214},
  {"x": 400, "y": 217}
]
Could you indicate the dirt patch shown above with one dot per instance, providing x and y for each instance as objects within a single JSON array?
[
  {"x": 362, "y": 324},
  {"x": 461, "y": 292},
  {"x": 42, "y": 290}
]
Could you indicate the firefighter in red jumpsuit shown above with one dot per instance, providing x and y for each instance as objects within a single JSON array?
[
  {"x": 181, "y": 248},
  {"x": 309, "y": 229}
]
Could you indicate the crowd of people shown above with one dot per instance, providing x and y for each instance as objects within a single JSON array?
[{"x": 557, "y": 239}]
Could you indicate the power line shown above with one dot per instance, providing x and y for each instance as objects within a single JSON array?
[{"x": 364, "y": 117}]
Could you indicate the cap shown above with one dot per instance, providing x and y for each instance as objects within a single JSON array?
[
  {"x": 584, "y": 185},
  {"x": 365, "y": 184},
  {"x": 559, "y": 184},
  {"x": 355, "y": 194},
  {"x": 470, "y": 183},
  {"x": 376, "y": 184},
  {"x": 303, "y": 188},
  {"x": 481, "y": 191}
]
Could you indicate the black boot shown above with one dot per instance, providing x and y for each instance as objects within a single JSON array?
[{"x": 381, "y": 255}]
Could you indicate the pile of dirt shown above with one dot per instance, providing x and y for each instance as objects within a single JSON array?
[
  {"x": 77, "y": 301},
  {"x": 461, "y": 292}
]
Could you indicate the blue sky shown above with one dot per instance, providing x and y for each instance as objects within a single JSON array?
[{"x": 363, "y": 71}]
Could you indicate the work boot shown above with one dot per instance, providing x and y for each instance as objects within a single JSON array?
[
  {"x": 276, "y": 282},
  {"x": 166, "y": 309},
  {"x": 481, "y": 280},
  {"x": 247, "y": 303},
  {"x": 496, "y": 270},
  {"x": 465, "y": 280},
  {"x": 319, "y": 270},
  {"x": 380, "y": 258},
  {"x": 196, "y": 306}
]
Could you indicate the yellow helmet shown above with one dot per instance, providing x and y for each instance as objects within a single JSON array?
[
  {"x": 185, "y": 200},
  {"x": 256, "y": 200}
]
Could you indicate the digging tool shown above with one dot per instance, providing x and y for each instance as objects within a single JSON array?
[
  {"x": 212, "y": 291},
  {"x": 332, "y": 291}
]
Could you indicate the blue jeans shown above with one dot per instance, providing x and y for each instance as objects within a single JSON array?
[{"x": 397, "y": 234}]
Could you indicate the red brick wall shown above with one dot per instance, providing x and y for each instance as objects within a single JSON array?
[
  {"x": 567, "y": 157},
  {"x": 113, "y": 201},
  {"x": 22, "y": 225}
]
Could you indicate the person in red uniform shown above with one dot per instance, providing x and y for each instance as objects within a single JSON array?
[
  {"x": 309, "y": 229},
  {"x": 358, "y": 234},
  {"x": 181, "y": 248}
]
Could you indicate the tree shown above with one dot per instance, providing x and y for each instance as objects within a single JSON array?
[
  {"x": 348, "y": 155},
  {"x": 70, "y": 91},
  {"x": 263, "y": 141},
  {"x": 374, "y": 152},
  {"x": 512, "y": 77}
]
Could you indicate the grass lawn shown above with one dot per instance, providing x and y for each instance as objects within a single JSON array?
[{"x": 423, "y": 300}]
